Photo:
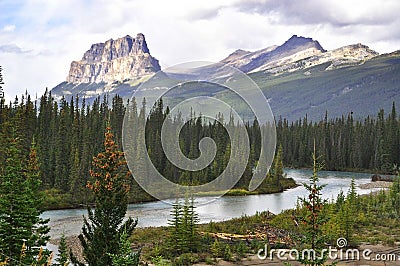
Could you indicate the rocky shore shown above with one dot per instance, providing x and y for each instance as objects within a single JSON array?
[
  {"x": 376, "y": 184},
  {"x": 73, "y": 245}
]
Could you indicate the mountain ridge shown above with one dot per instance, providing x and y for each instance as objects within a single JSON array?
[
  {"x": 114, "y": 60},
  {"x": 297, "y": 52},
  {"x": 299, "y": 77}
]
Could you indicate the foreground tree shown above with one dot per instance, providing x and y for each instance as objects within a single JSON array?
[
  {"x": 125, "y": 255},
  {"x": 21, "y": 228},
  {"x": 102, "y": 230},
  {"x": 183, "y": 236},
  {"x": 394, "y": 197},
  {"x": 313, "y": 219},
  {"x": 63, "y": 257}
]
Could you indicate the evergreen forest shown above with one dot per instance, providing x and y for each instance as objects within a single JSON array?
[{"x": 69, "y": 134}]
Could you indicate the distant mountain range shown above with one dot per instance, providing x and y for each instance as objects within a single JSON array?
[
  {"x": 297, "y": 53},
  {"x": 298, "y": 77}
]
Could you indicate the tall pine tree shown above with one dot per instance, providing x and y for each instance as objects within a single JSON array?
[
  {"x": 313, "y": 219},
  {"x": 20, "y": 202},
  {"x": 102, "y": 230}
]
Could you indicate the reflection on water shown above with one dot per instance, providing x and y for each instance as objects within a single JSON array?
[{"x": 69, "y": 222}]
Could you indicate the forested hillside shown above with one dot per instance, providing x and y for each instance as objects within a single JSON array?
[{"x": 69, "y": 134}]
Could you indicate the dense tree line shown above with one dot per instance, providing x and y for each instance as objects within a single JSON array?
[
  {"x": 343, "y": 143},
  {"x": 69, "y": 134}
]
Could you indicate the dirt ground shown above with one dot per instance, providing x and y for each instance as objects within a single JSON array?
[{"x": 376, "y": 249}]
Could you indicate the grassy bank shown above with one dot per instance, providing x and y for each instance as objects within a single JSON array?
[{"x": 371, "y": 221}]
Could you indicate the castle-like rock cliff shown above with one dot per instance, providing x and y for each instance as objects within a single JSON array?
[{"x": 114, "y": 60}]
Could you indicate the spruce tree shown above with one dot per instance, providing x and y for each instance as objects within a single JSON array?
[
  {"x": 347, "y": 213},
  {"x": 125, "y": 256},
  {"x": 313, "y": 219},
  {"x": 188, "y": 230},
  {"x": 102, "y": 230},
  {"x": 63, "y": 256},
  {"x": 183, "y": 236},
  {"x": 20, "y": 203},
  {"x": 394, "y": 197},
  {"x": 216, "y": 249},
  {"x": 278, "y": 169},
  {"x": 175, "y": 226}
]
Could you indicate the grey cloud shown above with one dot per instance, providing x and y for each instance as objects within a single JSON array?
[
  {"x": 12, "y": 49},
  {"x": 316, "y": 12},
  {"x": 204, "y": 14}
]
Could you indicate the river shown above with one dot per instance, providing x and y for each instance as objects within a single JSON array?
[{"x": 69, "y": 222}]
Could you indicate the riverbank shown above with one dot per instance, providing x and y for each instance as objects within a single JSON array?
[
  {"x": 371, "y": 228},
  {"x": 156, "y": 213},
  {"x": 376, "y": 184},
  {"x": 56, "y": 200},
  {"x": 243, "y": 237}
]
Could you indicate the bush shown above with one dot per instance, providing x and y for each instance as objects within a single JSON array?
[
  {"x": 241, "y": 249},
  {"x": 216, "y": 249},
  {"x": 209, "y": 261},
  {"x": 228, "y": 253},
  {"x": 186, "y": 259}
]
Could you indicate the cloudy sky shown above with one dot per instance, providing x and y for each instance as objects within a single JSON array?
[{"x": 40, "y": 38}]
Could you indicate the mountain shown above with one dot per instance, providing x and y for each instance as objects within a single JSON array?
[
  {"x": 297, "y": 53},
  {"x": 294, "y": 49},
  {"x": 362, "y": 89},
  {"x": 235, "y": 56},
  {"x": 298, "y": 77},
  {"x": 114, "y": 60},
  {"x": 114, "y": 67}
]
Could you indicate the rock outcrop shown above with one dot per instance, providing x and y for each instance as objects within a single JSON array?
[
  {"x": 294, "y": 49},
  {"x": 298, "y": 53},
  {"x": 114, "y": 60}
]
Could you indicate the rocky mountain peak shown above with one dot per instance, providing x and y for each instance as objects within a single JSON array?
[
  {"x": 114, "y": 60},
  {"x": 296, "y": 53},
  {"x": 357, "y": 49},
  {"x": 300, "y": 41},
  {"x": 235, "y": 55},
  {"x": 294, "y": 49}
]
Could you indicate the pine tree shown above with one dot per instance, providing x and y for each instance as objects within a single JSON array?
[
  {"x": 313, "y": 218},
  {"x": 175, "y": 226},
  {"x": 228, "y": 253},
  {"x": 183, "y": 236},
  {"x": 340, "y": 199},
  {"x": 395, "y": 197},
  {"x": 347, "y": 213},
  {"x": 193, "y": 226},
  {"x": 216, "y": 249},
  {"x": 102, "y": 230},
  {"x": 20, "y": 203},
  {"x": 352, "y": 196},
  {"x": 278, "y": 169},
  {"x": 125, "y": 256},
  {"x": 63, "y": 256},
  {"x": 188, "y": 230}
]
